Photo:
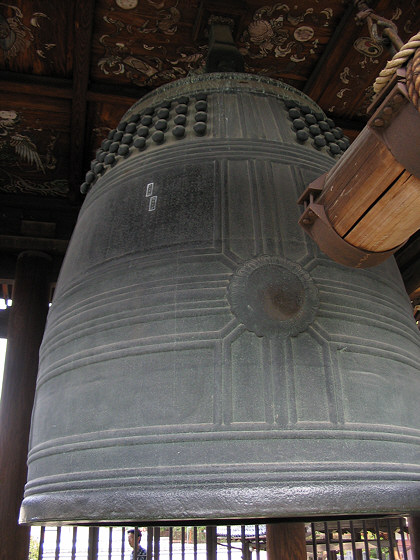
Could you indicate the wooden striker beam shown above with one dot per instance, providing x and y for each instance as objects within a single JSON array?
[{"x": 366, "y": 206}]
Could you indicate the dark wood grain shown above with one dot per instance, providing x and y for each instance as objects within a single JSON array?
[
  {"x": 83, "y": 24},
  {"x": 286, "y": 541},
  {"x": 25, "y": 330},
  {"x": 414, "y": 528}
]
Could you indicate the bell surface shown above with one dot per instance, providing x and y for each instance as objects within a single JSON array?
[{"x": 202, "y": 359}]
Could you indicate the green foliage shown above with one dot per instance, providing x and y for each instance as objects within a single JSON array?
[
  {"x": 33, "y": 549},
  {"x": 373, "y": 553}
]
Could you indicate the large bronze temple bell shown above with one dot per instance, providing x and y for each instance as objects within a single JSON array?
[{"x": 202, "y": 358}]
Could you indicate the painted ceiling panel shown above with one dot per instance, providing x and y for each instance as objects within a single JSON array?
[
  {"x": 344, "y": 86},
  {"x": 35, "y": 37},
  {"x": 321, "y": 47},
  {"x": 151, "y": 43},
  {"x": 34, "y": 145}
]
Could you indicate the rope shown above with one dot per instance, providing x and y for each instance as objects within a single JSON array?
[
  {"x": 396, "y": 62},
  {"x": 413, "y": 79}
]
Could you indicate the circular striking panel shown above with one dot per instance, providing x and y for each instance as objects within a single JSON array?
[{"x": 273, "y": 296}]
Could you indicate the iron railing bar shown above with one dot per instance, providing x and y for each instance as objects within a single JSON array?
[
  {"x": 183, "y": 543},
  {"x": 365, "y": 539},
  {"x": 353, "y": 541},
  {"x": 57, "y": 543},
  {"x": 340, "y": 541},
  {"x": 244, "y": 544},
  {"x": 195, "y": 542},
  {"x": 229, "y": 541},
  {"x": 73, "y": 544},
  {"x": 171, "y": 541},
  {"x": 109, "y": 543},
  {"x": 156, "y": 547},
  {"x": 390, "y": 541},
  {"x": 257, "y": 541},
  {"x": 93, "y": 543},
  {"x": 314, "y": 547},
  {"x": 149, "y": 550},
  {"x": 404, "y": 547},
  {"x": 41, "y": 543},
  {"x": 136, "y": 542},
  {"x": 327, "y": 541},
  {"x": 122, "y": 543},
  {"x": 378, "y": 540}
]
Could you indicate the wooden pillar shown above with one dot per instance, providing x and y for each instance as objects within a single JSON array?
[
  {"x": 149, "y": 548},
  {"x": 211, "y": 542},
  {"x": 156, "y": 542},
  {"x": 93, "y": 546},
  {"x": 286, "y": 541},
  {"x": 414, "y": 529},
  {"x": 25, "y": 330}
]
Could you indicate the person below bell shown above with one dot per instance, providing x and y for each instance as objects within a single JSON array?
[{"x": 141, "y": 553}]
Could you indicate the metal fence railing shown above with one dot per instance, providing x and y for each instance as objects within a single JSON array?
[{"x": 381, "y": 539}]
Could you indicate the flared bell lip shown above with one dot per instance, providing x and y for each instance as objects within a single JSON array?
[{"x": 257, "y": 504}]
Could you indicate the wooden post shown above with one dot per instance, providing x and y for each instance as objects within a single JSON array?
[
  {"x": 414, "y": 529},
  {"x": 149, "y": 547},
  {"x": 156, "y": 543},
  {"x": 93, "y": 546},
  {"x": 211, "y": 542},
  {"x": 246, "y": 552},
  {"x": 25, "y": 330},
  {"x": 286, "y": 541}
]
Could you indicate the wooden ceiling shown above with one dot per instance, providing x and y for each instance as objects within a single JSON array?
[{"x": 71, "y": 68}]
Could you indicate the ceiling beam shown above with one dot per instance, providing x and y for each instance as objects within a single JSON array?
[
  {"x": 83, "y": 28},
  {"x": 14, "y": 82},
  {"x": 17, "y": 244},
  {"x": 61, "y": 88},
  {"x": 105, "y": 93},
  {"x": 316, "y": 80}
]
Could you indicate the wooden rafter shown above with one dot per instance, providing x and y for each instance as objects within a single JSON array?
[{"x": 83, "y": 27}]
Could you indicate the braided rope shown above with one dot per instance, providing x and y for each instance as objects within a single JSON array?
[
  {"x": 413, "y": 79},
  {"x": 396, "y": 62}
]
